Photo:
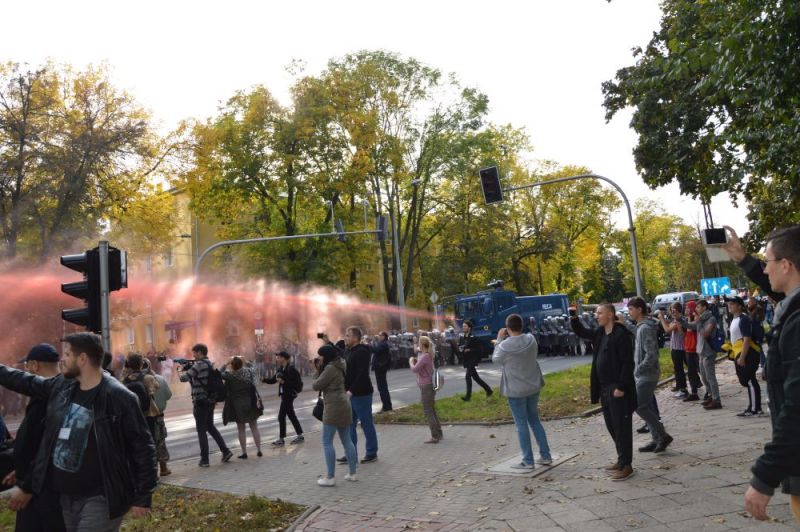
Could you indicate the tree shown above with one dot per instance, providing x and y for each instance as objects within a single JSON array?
[
  {"x": 72, "y": 149},
  {"x": 402, "y": 124},
  {"x": 716, "y": 102}
]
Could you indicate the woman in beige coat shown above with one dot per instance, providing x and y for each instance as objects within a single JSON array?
[{"x": 337, "y": 414}]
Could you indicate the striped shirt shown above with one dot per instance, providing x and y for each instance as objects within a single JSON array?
[{"x": 197, "y": 375}]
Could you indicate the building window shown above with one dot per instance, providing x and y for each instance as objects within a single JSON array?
[
  {"x": 168, "y": 262},
  {"x": 131, "y": 335},
  {"x": 371, "y": 288},
  {"x": 149, "y": 264},
  {"x": 148, "y": 333}
]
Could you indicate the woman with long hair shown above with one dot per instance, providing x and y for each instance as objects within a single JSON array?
[
  {"x": 423, "y": 369},
  {"x": 337, "y": 414}
]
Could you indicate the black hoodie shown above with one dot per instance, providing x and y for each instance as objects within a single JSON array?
[{"x": 357, "y": 380}]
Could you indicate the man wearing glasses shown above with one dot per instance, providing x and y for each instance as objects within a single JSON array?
[{"x": 778, "y": 276}]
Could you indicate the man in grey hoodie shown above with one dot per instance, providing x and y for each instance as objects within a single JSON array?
[
  {"x": 705, "y": 326},
  {"x": 646, "y": 374},
  {"x": 521, "y": 383}
]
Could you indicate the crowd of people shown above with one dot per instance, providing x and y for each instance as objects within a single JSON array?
[{"x": 92, "y": 444}]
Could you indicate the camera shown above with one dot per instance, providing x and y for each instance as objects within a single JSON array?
[
  {"x": 184, "y": 363},
  {"x": 320, "y": 335}
]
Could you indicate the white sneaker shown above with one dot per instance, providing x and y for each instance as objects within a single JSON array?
[
  {"x": 544, "y": 461},
  {"x": 351, "y": 478},
  {"x": 327, "y": 482}
]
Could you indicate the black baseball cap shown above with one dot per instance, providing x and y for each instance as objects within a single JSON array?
[
  {"x": 735, "y": 299},
  {"x": 42, "y": 353},
  {"x": 283, "y": 354}
]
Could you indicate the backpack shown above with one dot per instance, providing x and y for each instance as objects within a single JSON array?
[
  {"x": 138, "y": 388},
  {"x": 716, "y": 339},
  {"x": 215, "y": 386},
  {"x": 299, "y": 387}
]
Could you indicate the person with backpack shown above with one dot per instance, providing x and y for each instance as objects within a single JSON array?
[
  {"x": 205, "y": 379},
  {"x": 242, "y": 402},
  {"x": 290, "y": 384},
  {"x": 707, "y": 329},
  {"x": 144, "y": 386},
  {"x": 161, "y": 395}
]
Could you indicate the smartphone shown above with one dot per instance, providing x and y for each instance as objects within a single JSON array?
[{"x": 715, "y": 237}]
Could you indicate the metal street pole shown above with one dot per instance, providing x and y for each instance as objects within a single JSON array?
[
  {"x": 401, "y": 295},
  {"x": 631, "y": 228},
  {"x": 212, "y": 247},
  {"x": 105, "y": 315}
]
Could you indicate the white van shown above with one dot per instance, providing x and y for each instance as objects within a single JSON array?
[{"x": 663, "y": 301}]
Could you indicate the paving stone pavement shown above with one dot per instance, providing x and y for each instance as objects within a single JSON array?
[{"x": 698, "y": 484}]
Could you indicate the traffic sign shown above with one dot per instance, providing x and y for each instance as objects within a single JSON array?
[
  {"x": 434, "y": 297},
  {"x": 715, "y": 286}
]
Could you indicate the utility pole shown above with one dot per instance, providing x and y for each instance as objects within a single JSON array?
[{"x": 492, "y": 192}]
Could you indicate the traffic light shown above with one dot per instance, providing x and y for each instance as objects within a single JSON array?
[
  {"x": 339, "y": 230},
  {"x": 490, "y": 184},
  {"x": 117, "y": 269},
  {"x": 381, "y": 227},
  {"x": 90, "y": 290},
  {"x": 87, "y": 263}
]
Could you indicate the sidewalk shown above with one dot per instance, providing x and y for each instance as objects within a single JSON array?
[{"x": 698, "y": 484}]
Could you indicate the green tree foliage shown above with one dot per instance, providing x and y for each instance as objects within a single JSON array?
[
  {"x": 670, "y": 252},
  {"x": 716, "y": 104},
  {"x": 73, "y": 151}
]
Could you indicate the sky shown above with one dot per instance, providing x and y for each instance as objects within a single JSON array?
[{"x": 541, "y": 62}]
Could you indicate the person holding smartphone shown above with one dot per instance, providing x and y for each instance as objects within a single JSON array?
[{"x": 779, "y": 276}]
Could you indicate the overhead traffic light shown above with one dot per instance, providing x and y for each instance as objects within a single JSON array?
[
  {"x": 380, "y": 227},
  {"x": 87, "y": 263},
  {"x": 490, "y": 184},
  {"x": 339, "y": 230}
]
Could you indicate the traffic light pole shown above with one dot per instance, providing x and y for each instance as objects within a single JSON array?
[
  {"x": 631, "y": 229},
  {"x": 105, "y": 314}
]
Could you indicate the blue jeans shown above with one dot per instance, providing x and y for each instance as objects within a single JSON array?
[
  {"x": 362, "y": 411},
  {"x": 330, "y": 454},
  {"x": 526, "y": 412}
]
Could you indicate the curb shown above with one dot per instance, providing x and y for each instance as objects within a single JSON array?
[{"x": 302, "y": 517}]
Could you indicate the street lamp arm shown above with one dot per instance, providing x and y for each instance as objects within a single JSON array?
[
  {"x": 212, "y": 247},
  {"x": 631, "y": 228}
]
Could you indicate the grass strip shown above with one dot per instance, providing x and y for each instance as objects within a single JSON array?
[
  {"x": 566, "y": 393},
  {"x": 179, "y": 509}
]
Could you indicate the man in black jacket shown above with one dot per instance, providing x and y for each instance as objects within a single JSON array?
[
  {"x": 289, "y": 385},
  {"x": 470, "y": 348},
  {"x": 358, "y": 385},
  {"x": 381, "y": 360},
  {"x": 612, "y": 382},
  {"x": 39, "y": 512},
  {"x": 96, "y": 450},
  {"x": 779, "y": 277}
]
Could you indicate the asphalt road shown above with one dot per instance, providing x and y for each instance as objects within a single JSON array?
[{"x": 182, "y": 437}]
